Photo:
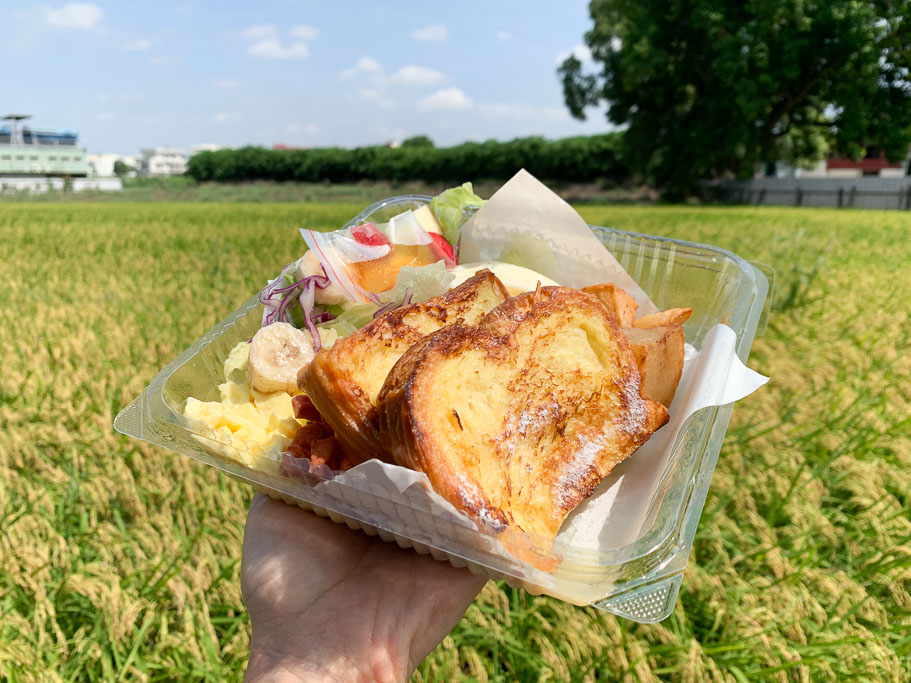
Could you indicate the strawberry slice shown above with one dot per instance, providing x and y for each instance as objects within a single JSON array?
[
  {"x": 368, "y": 235},
  {"x": 442, "y": 246}
]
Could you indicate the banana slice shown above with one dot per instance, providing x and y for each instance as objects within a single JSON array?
[{"x": 277, "y": 352}]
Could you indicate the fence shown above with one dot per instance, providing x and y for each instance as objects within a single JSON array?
[
  {"x": 858, "y": 193},
  {"x": 42, "y": 184}
]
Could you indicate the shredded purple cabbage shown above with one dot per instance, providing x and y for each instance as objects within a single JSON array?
[
  {"x": 277, "y": 300},
  {"x": 392, "y": 305},
  {"x": 306, "y": 303}
]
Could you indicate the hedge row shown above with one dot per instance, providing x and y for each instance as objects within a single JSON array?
[{"x": 577, "y": 159}]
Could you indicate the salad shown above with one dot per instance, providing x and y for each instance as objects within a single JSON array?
[
  {"x": 345, "y": 279},
  {"x": 348, "y": 277}
]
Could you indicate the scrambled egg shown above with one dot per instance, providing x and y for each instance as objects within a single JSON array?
[{"x": 252, "y": 423}]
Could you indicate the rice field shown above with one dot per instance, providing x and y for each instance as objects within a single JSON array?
[{"x": 121, "y": 561}]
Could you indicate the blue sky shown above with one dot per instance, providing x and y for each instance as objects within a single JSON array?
[{"x": 128, "y": 75}]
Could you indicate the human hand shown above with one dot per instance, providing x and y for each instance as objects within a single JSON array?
[{"x": 327, "y": 603}]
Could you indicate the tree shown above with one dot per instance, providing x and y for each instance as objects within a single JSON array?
[
  {"x": 121, "y": 168},
  {"x": 418, "y": 141},
  {"x": 711, "y": 88}
]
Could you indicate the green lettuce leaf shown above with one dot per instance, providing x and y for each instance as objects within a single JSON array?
[
  {"x": 352, "y": 318},
  {"x": 294, "y": 313},
  {"x": 423, "y": 282},
  {"x": 453, "y": 207}
]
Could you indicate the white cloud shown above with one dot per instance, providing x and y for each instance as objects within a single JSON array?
[
  {"x": 448, "y": 98},
  {"x": 416, "y": 75},
  {"x": 504, "y": 35},
  {"x": 304, "y": 32},
  {"x": 363, "y": 66},
  {"x": 311, "y": 129},
  {"x": 580, "y": 52},
  {"x": 74, "y": 15},
  {"x": 431, "y": 33},
  {"x": 224, "y": 82},
  {"x": 259, "y": 31},
  {"x": 105, "y": 116},
  {"x": 221, "y": 117},
  {"x": 272, "y": 48},
  {"x": 139, "y": 45}
]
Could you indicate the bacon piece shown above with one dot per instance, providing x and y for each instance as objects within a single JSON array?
[{"x": 304, "y": 408}]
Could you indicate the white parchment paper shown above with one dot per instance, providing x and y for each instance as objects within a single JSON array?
[{"x": 525, "y": 218}]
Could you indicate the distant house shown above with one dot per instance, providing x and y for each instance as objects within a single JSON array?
[
  {"x": 282, "y": 145},
  {"x": 162, "y": 161},
  {"x": 874, "y": 164}
]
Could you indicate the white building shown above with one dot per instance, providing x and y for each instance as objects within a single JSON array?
[
  {"x": 162, "y": 161},
  {"x": 102, "y": 165}
]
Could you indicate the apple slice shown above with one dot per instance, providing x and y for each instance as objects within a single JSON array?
[{"x": 427, "y": 220}]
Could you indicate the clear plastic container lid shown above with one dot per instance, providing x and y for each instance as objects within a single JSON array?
[{"x": 638, "y": 580}]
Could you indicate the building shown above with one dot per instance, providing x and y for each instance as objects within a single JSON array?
[
  {"x": 47, "y": 152},
  {"x": 873, "y": 165},
  {"x": 162, "y": 161}
]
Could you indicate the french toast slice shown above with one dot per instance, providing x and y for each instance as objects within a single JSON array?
[
  {"x": 343, "y": 381},
  {"x": 516, "y": 420}
]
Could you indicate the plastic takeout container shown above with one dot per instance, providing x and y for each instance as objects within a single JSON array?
[{"x": 638, "y": 581}]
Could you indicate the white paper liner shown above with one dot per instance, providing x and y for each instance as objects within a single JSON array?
[
  {"x": 614, "y": 516},
  {"x": 616, "y": 513},
  {"x": 524, "y": 213}
]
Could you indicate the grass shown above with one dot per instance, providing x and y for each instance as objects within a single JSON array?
[{"x": 120, "y": 561}]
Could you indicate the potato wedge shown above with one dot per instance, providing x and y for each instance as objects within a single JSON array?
[
  {"x": 618, "y": 302},
  {"x": 672, "y": 316},
  {"x": 659, "y": 356}
]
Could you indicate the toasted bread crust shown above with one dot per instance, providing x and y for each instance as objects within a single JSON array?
[
  {"x": 516, "y": 420},
  {"x": 659, "y": 353},
  {"x": 343, "y": 382}
]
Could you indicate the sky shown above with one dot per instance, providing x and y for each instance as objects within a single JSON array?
[{"x": 310, "y": 73}]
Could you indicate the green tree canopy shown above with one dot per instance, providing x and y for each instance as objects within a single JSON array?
[
  {"x": 121, "y": 168},
  {"x": 708, "y": 88},
  {"x": 418, "y": 141}
]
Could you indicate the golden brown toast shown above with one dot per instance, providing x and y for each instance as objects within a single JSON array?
[
  {"x": 343, "y": 381},
  {"x": 516, "y": 420},
  {"x": 618, "y": 302},
  {"x": 659, "y": 357},
  {"x": 671, "y": 316}
]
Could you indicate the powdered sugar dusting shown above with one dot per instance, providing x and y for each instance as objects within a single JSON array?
[
  {"x": 538, "y": 416},
  {"x": 472, "y": 499},
  {"x": 632, "y": 419},
  {"x": 577, "y": 470}
]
